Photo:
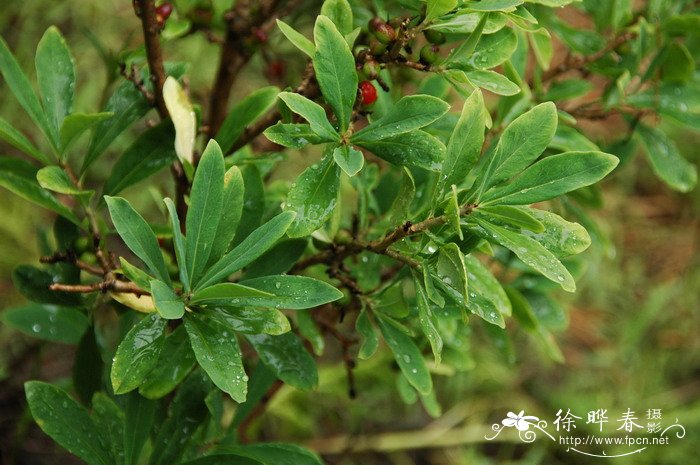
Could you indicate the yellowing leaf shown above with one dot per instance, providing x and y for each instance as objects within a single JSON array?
[{"x": 182, "y": 114}]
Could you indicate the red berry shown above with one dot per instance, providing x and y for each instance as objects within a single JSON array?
[
  {"x": 368, "y": 93},
  {"x": 164, "y": 10},
  {"x": 260, "y": 35}
]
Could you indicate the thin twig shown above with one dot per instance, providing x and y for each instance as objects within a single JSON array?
[
  {"x": 154, "y": 55},
  {"x": 102, "y": 286}
]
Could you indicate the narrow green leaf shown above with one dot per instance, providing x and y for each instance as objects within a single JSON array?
[
  {"x": 370, "y": 340},
  {"x": 309, "y": 330},
  {"x": 426, "y": 319},
  {"x": 204, "y": 214},
  {"x": 231, "y": 215},
  {"x": 253, "y": 203},
  {"x": 18, "y": 140},
  {"x": 76, "y": 123},
  {"x": 138, "y": 353},
  {"x": 531, "y": 253},
  {"x": 275, "y": 453},
  {"x": 296, "y": 38},
  {"x": 666, "y": 160},
  {"x": 399, "y": 212},
  {"x": 278, "y": 260},
  {"x": 348, "y": 159},
  {"x": 244, "y": 113},
  {"x": 109, "y": 418},
  {"x": 464, "y": 146},
  {"x": 293, "y": 292},
  {"x": 451, "y": 270},
  {"x": 55, "y": 179},
  {"x": 485, "y": 284},
  {"x": 228, "y": 294},
  {"x": 493, "y": 82},
  {"x": 138, "y": 420},
  {"x": 48, "y": 322},
  {"x": 335, "y": 70},
  {"x": 55, "y": 71},
  {"x": 510, "y": 216},
  {"x": 494, "y": 49},
  {"x": 255, "y": 320},
  {"x": 313, "y": 197},
  {"x": 521, "y": 143},
  {"x": 465, "y": 50},
  {"x": 215, "y": 345},
  {"x": 67, "y": 423},
  {"x": 20, "y": 87},
  {"x": 33, "y": 283},
  {"x": 415, "y": 148},
  {"x": 249, "y": 249},
  {"x": 293, "y": 136},
  {"x": 138, "y": 236},
  {"x": 561, "y": 237},
  {"x": 135, "y": 275},
  {"x": 128, "y": 105},
  {"x": 178, "y": 244},
  {"x": 407, "y": 355},
  {"x": 452, "y": 212},
  {"x": 340, "y": 13},
  {"x": 553, "y": 176},
  {"x": 409, "y": 113},
  {"x": 168, "y": 304},
  {"x": 175, "y": 362},
  {"x": 437, "y": 8},
  {"x": 286, "y": 357},
  {"x": 19, "y": 177},
  {"x": 150, "y": 152},
  {"x": 541, "y": 41},
  {"x": 313, "y": 113}
]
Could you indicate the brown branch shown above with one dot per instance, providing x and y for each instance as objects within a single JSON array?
[
  {"x": 102, "y": 286},
  {"x": 70, "y": 257},
  {"x": 154, "y": 55}
]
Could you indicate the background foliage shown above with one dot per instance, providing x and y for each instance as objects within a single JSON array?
[{"x": 629, "y": 339}]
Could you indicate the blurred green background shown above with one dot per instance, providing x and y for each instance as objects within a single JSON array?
[{"x": 632, "y": 342}]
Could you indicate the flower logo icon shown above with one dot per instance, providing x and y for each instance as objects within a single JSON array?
[{"x": 520, "y": 421}]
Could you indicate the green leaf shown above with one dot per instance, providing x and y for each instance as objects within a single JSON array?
[
  {"x": 175, "y": 362},
  {"x": 19, "y": 177},
  {"x": 138, "y": 420},
  {"x": 204, "y": 214},
  {"x": 521, "y": 143},
  {"x": 678, "y": 65},
  {"x": 409, "y": 113},
  {"x": 223, "y": 459},
  {"x": 427, "y": 320},
  {"x": 151, "y": 152},
  {"x": 452, "y": 212},
  {"x": 127, "y": 104},
  {"x": 183, "y": 118},
  {"x": 542, "y": 48},
  {"x": 485, "y": 284},
  {"x": 249, "y": 249},
  {"x": 415, "y": 148},
  {"x": 559, "y": 236},
  {"x": 278, "y": 260},
  {"x": 134, "y": 274},
  {"x": 275, "y": 453},
  {"x": 313, "y": 197},
  {"x": 67, "y": 423},
  {"x": 493, "y": 49},
  {"x": 138, "y": 353},
  {"x": 231, "y": 215},
  {"x": 452, "y": 272},
  {"x": 313, "y": 113},
  {"x": 666, "y": 160},
  {"x": 56, "y": 179},
  {"x": 34, "y": 284},
  {"x": 109, "y": 418},
  {"x": 290, "y": 292},
  {"x": 18, "y": 140},
  {"x": 77, "y": 123},
  {"x": 510, "y": 216},
  {"x": 168, "y": 304},
  {"x": 464, "y": 146},
  {"x": 286, "y": 357},
  {"x": 186, "y": 413},
  {"x": 48, "y": 322},
  {"x": 293, "y": 136},
  {"x": 178, "y": 244},
  {"x": 399, "y": 212},
  {"x": 370, "y": 340},
  {"x": 465, "y": 50},
  {"x": 20, "y": 87},
  {"x": 296, "y": 38},
  {"x": 340, "y": 13},
  {"x": 348, "y": 159},
  {"x": 531, "y": 253},
  {"x": 334, "y": 65},
  {"x": 215, "y": 345},
  {"x": 138, "y": 236},
  {"x": 437, "y": 8},
  {"x": 553, "y": 176},
  {"x": 55, "y": 71},
  {"x": 253, "y": 203},
  {"x": 244, "y": 113},
  {"x": 88, "y": 367},
  {"x": 255, "y": 320},
  {"x": 407, "y": 355},
  {"x": 309, "y": 330},
  {"x": 493, "y": 82},
  {"x": 496, "y": 5}
]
